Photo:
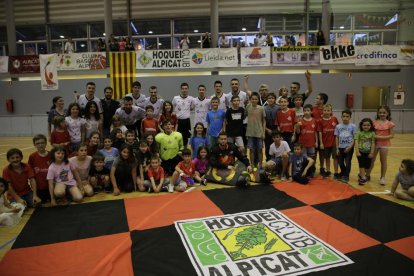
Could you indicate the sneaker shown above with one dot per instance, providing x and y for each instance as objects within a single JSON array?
[
  {"x": 368, "y": 177},
  {"x": 337, "y": 176},
  {"x": 362, "y": 180},
  {"x": 170, "y": 188},
  {"x": 345, "y": 179},
  {"x": 322, "y": 172},
  {"x": 150, "y": 190},
  {"x": 204, "y": 182},
  {"x": 164, "y": 189},
  {"x": 328, "y": 174},
  {"x": 382, "y": 181},
  {"x": 283, "y": 178}
]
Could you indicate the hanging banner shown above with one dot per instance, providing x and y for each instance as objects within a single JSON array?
[
  {"x": 298, "y": 55},
  {"x": 48, "y": 72},
  {"x": 187, "y": 58},
  {"x": 122, "y": 72},
  {"x": 82, "y": 61},
  {"x": 262, "y": 242},
  {"x": 24, "y": 64},
  {"x": 255, "y": 56},
  {"x": 210, "y": 58},
  {"x": 4, "y": 64},
  {"x": 385, "y": 55},
  {"x": 337, "y": 54}
]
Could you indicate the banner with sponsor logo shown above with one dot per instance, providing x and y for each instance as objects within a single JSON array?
[
  {"x": 298, "y": 55},
  {"x": 48, "y": 72},
  {"x": 24, "y": 64},
  {"x": 82, "y": 61},
  {"x": 4, "y": 64},
  {"x": 263, "y": 242},
  {"x": 187, "y": 58},
  {"x": 337, "y": 54},
  {"x": 255, "y": 56},
  {"x": 385, "y": 55},
  {"x": 210, "y": 58}
]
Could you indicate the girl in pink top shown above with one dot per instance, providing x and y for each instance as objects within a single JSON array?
[
  {"x": 201, "y": 165},
  {"x": 81, "y": 165},
  {"x": 383, "y": 134}
]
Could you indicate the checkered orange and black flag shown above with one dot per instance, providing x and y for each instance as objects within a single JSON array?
[{"x": 122, "y": 72}]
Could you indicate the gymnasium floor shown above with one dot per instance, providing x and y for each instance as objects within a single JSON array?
[{"x": 402, "y": 148}]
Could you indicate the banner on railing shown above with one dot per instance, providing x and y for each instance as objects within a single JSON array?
[
  {"x": 24, "y": 64},
  {"x": 337, "y": 54},
  {"x": 254, "y": 56},
  {"x": 48, "y": 72},
  {"x": 298, "y": 55},
  {"x": 186, "y": 59},
  {"x": 385, "y": 55},
  {"x": 4, "y": 64},
  {"x": 82, "y": 61}
]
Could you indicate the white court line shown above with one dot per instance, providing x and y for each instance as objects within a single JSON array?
[
  {"x": 380, "y": 193},
  {"x": 190, "y": 189},
  {"x": 401, "y": 147},
  {"x": 4, "y": 153}
]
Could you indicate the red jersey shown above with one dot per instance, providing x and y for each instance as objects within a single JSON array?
[
  {"x": 307, "y": 132},
  {"x": 156, "y": 174},
  {"x": 327, "y": 127},
  {"x": 19, "y": 182},
  {"x": 58, "y": 137},
  {"x": 188, "y": 170},
  {"x": 286, "y": 120},
  {"x": 149, "y": 126},
  {"x": 40, "y": 164},
  {"x": 317, "y": 112},
  {"x": 172, "y": 118}
]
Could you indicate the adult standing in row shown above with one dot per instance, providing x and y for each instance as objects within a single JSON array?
[
  {"x": 138, "y": 100},
  {"x": 295, "y": 87},
  {"x": 155, "y": 101},
  {"x": 218, "y": 92},
  {"x": 109, "y": 107},
  {"x": 129, "y": 113},
  {"x": 83, "y": 99},
  {"x": 183, "y": 105}
]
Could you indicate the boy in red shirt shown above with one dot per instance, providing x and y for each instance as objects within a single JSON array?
[
  {"x": 326, "y": 130},
  {"x": 285, "y": 121},
  {"x": 39, "y": 162},
  {"x": 157, "y": 180},
  {"x": 184, "y": 172},
  {"x": 149, "y": 125},
  {"x": 18, "y": 175},
  {"x": 306, "y": 127}
]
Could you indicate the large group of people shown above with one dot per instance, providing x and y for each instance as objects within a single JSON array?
[{"x": 147, "y": 144}]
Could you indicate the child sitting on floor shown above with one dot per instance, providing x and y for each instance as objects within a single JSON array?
[
  {"x": 99, "y": 174},
  {"x": 9, "y": 214},
  {"x": 158, "y": 182},
  {"x": 302, "y": 166},
  {"x": 184, "y": 172},
  {"x": 405, "y": 177}
]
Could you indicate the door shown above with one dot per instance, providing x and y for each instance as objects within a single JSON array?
[{"x": 374, "y": 96}]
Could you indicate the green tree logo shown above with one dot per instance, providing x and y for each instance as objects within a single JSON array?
[{"x": 250, "y": 238}]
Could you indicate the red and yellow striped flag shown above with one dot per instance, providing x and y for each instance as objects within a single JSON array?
[{"x": 122, "y": 72}]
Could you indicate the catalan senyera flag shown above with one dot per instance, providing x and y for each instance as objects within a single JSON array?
[{"x": 122, "y": 71}]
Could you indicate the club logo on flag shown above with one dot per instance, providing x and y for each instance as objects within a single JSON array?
[
  {"x": 144, "y": 60},
  {"x": 263, "y": 242},
  {"x": 197, "y": 58}
]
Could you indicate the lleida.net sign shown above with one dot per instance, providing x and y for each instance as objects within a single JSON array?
[{"x": 263, "y": 242}]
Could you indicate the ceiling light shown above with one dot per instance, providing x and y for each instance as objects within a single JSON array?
[
  {"x": 196, "y": 31},
  {"x": 150, "y": 32},
  {"x": 82, "y": 45},
  {"x": 104, "y": 34},
  {"x": 342, "y": 27},
  {"x": 243, "y": 29},
  {"x": 19, "y": 40},
  {"x": 62, "y": 36}
]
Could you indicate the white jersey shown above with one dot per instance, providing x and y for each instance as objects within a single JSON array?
[
  {"x": 157, "y": 106},
  {"x": 183, "y": 106},
  {"x": 243, "y": 98},
  {"x": 140, "y": 101},
  {"x": 201, "y": 109},
  {"x": 91, "y": 125},
  {"x": 223, "y": 104},
  {"x": 278, "y": 151},
  {"x": 128, "y": 119},
  {"x": 82, "y": 101},
  {"x": 74, "y": 127}
]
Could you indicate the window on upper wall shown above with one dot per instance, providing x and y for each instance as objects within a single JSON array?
[
  {"x": 238, "y": 24},
  {"x": 97, "y": 29},
  {"x": 164, "y": 43},
  {"x": 389, "y": 38},
  {"x": 31, "y": 33},
  {"x": 273, "y": 23},
  {"x": 120, "y": 28},
  {"x": 375, "y": 21},
  {"x": 68, "y": 30},
  {"x": 341, "y": 22},
  {"x": 315, "y": 22},
  {"x": 295, "y": 22},
  {"x": 81, "y": 46},
  {"x": 150, "y": 27},
  {"x": 191, "y": 25}
]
